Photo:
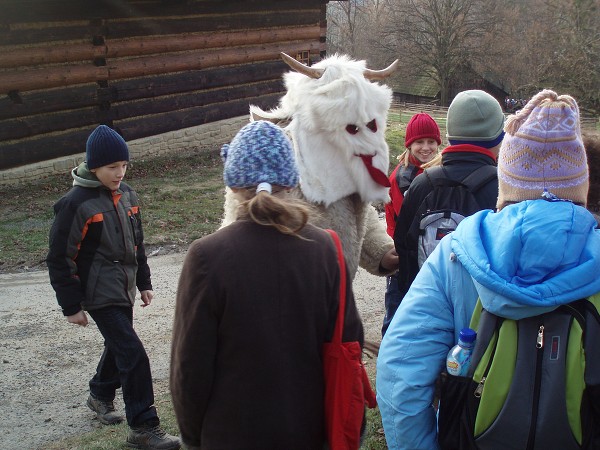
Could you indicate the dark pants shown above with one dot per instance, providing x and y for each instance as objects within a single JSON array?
[
  {"x": 393, "y": 298},
  {"x": 124, "y": 364}
]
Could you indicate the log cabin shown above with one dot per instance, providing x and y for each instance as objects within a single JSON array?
[{"x": 142, "y": 67}]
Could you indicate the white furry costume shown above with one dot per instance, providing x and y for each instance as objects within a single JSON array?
[{"x": 336, "y": 119}]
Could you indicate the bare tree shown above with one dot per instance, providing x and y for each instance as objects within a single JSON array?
[
  {"x": 352, "y": 28},
  {"x": 438, "y": 37},
  {"x": 574, "y": 64},
  {"x": 552, "y": 44},
  {"x": 524, "y": 45},
  {"x": 342, "y": 27}
]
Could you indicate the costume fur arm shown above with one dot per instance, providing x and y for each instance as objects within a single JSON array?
[{"x": 376, "y": 243}]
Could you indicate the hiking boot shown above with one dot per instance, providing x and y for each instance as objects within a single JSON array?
[
  {"x": 152, "y": 438},
  {"x": 105, "y": 411}
]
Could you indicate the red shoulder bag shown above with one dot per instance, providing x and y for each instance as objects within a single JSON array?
[{"x": 347, "y": 385}]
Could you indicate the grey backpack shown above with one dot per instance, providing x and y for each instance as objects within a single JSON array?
[
  {"x": 446, "y": 206},
  {"x": 533, "y": 384}
]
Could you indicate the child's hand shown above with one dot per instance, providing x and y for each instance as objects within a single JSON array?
[
  {"x": 147, "y": 297},
  {"x": 79, "y": 318}
]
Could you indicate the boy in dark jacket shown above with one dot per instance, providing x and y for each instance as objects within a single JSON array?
[{"x": 95, "y": 261}]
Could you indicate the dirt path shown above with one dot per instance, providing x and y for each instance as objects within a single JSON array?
[{"x": 45, "y": 363}]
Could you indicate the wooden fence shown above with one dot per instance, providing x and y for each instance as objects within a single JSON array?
[{"x": 439, "y": 114}]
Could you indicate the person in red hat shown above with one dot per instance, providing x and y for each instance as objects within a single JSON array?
[{"x": 422, "y": 140}]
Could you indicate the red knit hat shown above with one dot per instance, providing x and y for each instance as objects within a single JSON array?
[{"x": 421, "y": 126}]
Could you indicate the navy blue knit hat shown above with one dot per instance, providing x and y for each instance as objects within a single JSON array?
[
  {"x": 259, "y": 153},
  {"x": 105, "y": 146}
]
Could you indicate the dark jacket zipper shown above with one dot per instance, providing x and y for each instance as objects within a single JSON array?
[
  {"x": 116, "y": 206},
  {"x": 536, "y": 388}
]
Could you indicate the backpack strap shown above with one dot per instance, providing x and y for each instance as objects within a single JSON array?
[
  {"x": 476, "y": 315},
  {"x": 591, "y": 308},
  {"x": 480, "y": 177},
  {"x": 437, "y": 176},
  {"x": 594, "y": 301}
]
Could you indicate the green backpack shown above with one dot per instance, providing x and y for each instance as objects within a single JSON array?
[{"x": 533, "y": 383}]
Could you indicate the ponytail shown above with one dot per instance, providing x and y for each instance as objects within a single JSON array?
[{"x": 287, "y": 215}]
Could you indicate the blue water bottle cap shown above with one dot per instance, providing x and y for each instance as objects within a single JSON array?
[{"x": 467, "y": 335}]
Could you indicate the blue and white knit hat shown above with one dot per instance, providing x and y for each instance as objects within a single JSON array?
[{"x": 259, "y": 153}]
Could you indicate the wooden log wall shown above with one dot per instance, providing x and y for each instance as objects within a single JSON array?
[{"x": 141, "y": 67}]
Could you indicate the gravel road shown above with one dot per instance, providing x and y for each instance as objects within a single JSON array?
[{"x": 45, "y": 363}]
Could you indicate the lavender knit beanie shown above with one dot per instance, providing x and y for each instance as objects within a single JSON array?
[
  {"x": 259, "y": 153},
  {"x": 543, "y": 151}
]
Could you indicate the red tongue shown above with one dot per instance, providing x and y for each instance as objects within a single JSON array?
[{"x": 378, "y": 176}]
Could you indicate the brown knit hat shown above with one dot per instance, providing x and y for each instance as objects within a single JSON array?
[{"x": 542, "y": 151}]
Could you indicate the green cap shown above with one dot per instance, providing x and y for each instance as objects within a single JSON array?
[{"x": 474, "y": 116}]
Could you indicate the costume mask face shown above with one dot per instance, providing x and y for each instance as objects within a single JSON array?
[{"x": 337, "y": 120}]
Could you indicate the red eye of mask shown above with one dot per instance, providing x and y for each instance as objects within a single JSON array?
[
  {"x": 372, "y": 125},
  {"x": 352, "y": 129}
]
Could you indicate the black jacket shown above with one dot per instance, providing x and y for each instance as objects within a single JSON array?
[
  {"x": 96, "y": 254},
  {"x": 458, "y": 161}
]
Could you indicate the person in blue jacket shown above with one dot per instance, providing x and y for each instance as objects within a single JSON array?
[{"x": 540, "y": 250}]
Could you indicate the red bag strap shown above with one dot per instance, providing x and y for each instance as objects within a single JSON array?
[{"x": 339, "y": 323}]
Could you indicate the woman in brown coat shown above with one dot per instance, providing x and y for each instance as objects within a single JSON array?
[{"x": 256, "y": 301}]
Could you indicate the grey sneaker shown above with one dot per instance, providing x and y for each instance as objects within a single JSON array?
[
  {"x": 152, "y": 438},
  {"x": 105, "y": 411}
]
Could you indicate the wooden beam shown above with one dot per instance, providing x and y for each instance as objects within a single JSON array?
[
  {"x": 83, "y": 30},
  {"x": 59, "y": 10},
  {"x": 192, "y": 80},
  {"x": 186, "y": 100},
  {"x": 42, "y": 148},
  {"x": 151, "y": 65},
  {"x": 60, "y": 32},
  {"x": 50, "y": 100},
  {"x": 139, "y": 127},
  {"x": 25, "y": 127},
  {"x": 18, "y": 56},
  {"x": 123, "y": 28},
  {"x": 169, "y": 44},
  {"x": 44, "y": 78}
]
